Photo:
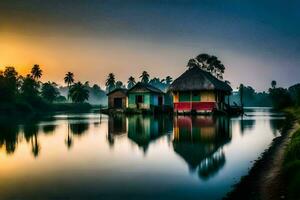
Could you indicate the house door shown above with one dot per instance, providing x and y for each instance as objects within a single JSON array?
[
  {"x": 160, "y": 100},
  {"x": 118, "y": 103},
  {"x": 139, "y": 100}
]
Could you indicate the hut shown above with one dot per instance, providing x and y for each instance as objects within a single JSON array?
[
  {"x": 145, "y": 96},
  {"x": 198, "y": 91},
  {"x": 117, "y": 98}
]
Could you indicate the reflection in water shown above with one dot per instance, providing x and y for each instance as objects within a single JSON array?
[
  {"x": 116, "y": 127},
  {"x": 214, "y": 149},
  {"x": 69, "y": 139},
  {"x": 30, "y": 132},
  {"x": 277, "y": 124},
  {"x": 79, "y": 128},
  {"x": 144, "y": 129},
  {"x": 246, "y": 124},
  {"x": 49, "y": 128},
  {"x": 199, "y": 140},
  {"x": 9, "y": 136}
]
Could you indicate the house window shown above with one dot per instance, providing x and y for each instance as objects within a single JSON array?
[
  {"x": 160, "y": 100},
  {"x": 196, "y": 96},
  {"x": 184, "y": 96}
]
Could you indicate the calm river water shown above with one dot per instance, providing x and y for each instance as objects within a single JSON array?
[{"x": 85, "y": 156}]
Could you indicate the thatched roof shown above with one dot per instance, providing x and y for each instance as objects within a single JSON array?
[
  {"x": 198, "y": 79},
  {"x": 145, "y": 86}
]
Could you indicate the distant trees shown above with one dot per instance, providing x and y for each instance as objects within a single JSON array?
[
  {"x": 273, "y": 84},
  {"x": 280, "y": 97},
  {"x": 9, "y": 83},
  {"x": 119, "y": 84},
  {"x": 49, "y": 91},
  {"x": 30, "y": 88},
  {"x": 144, "y": 77},
  {"x": 295, "y": 93},
  {"x": 168, "y": 80},
  {"x": 131, "y": 82},
  {"x": 69, "y": 79},
  {"x": 78, "y": 93},
  {"x": 36, "y": 72},
  {"x": 209, "y": 63},
  {"x": 27, "y": 93},
  {"x": 110, "y": 82}
]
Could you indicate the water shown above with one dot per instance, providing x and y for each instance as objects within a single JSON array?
[{"x": 84, "y": 156}]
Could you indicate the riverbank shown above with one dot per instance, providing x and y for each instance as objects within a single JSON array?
[
  {"x": 273, "y": 175},
  {"x": 23, "y": 109}
]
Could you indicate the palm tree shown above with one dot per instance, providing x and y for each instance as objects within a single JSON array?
[
  {"x": 36, "y": 72},
  {"x": 241, "y": 91},
  {"x": 78, "y": 93},
  {"x": 273, "y": 84},
  {"x": 49, "y": 91},
  {"x": 145, "y": 77},
  {"x": 69, "y": 79},
  {"x": 131, "y": 82},
  {"x": 119, "y": 84},
  {"x": 168, "y": 80},
  {"x": 110, "y": 82}
]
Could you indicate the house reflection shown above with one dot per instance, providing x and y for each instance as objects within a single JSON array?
[
  {"x": 116, "y": 127},
  {"x": 145, "y": 129},
  {"x": 199, "y": 141}
]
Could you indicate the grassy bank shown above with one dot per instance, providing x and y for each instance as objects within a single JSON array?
[
  {"x": 291, "y": 164},
  {"x": 249, "y": 187}
]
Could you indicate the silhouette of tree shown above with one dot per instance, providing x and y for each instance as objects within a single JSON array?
[
  {"x": 119, "y": 84},
  {"x": 273, "y": 84},
  {"x": 29, "y": 88},
  {"x": 69, "y": 79},
  {"x": 131, "y": 82},
  {"x": 241, "y": 91},
  {"x": 208, "y": 63},
  {"x": 9, "y": 82},
  {"x": 36, "y": 72},
  {"x": 49, "y": 91},
  {"x": 110, "y": 82},
  {"x": 145, "y": 77},
  {"x": 168, "y": 80},
  {"x": 78, "y": 93}
]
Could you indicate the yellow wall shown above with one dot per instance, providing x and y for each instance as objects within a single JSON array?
[
  {"x": 208, "y": 96},
  {"x": 175, "y": 97}
]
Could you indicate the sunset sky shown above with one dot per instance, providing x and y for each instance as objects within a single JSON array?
[{"x": 257, "y": 41}]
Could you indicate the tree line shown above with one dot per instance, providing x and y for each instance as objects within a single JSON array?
[
  {"x": 111, "y": 83},
  {"x": 29, "y": 92}
]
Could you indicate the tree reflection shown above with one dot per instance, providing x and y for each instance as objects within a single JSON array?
[
  {"x": 49, "y": 128},
  {"x": 199, "y": 140},
  {"x": 79, "y": 128},
  {"x": 9, "y": 136},
  {"x": 69, "y": 139},
  {"x": 31, "y": 135}
]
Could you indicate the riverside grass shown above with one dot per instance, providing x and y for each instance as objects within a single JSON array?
[{"x": 291, "y": 164}]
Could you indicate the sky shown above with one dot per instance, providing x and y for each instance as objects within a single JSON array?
[{"x": 258, "y": 41}]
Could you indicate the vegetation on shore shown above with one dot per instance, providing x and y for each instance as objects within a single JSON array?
[
  {"x": 291, "y": 164},
  {"x": 28, "y": 94}
]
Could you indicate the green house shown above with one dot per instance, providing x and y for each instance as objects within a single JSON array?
[{"x": 145, "y": 96}]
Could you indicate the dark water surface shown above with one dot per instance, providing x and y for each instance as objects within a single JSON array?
[{"x": 87, "y": 157}]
